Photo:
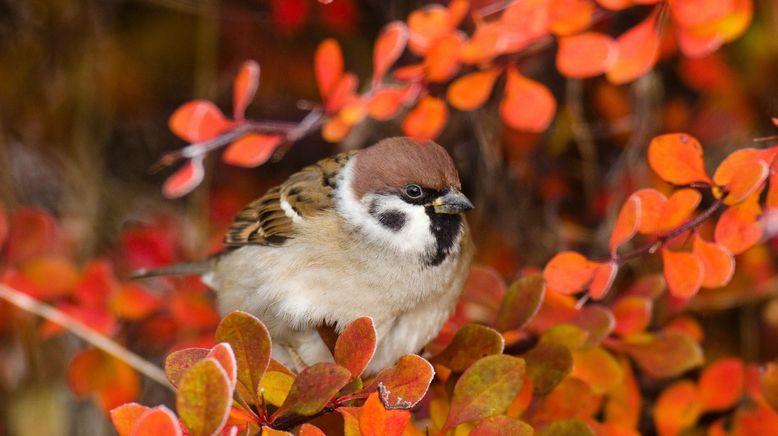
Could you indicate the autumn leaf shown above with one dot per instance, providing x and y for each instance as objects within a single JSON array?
[
  {"x": 470, "y": 91},
  {"x": 328, "y": 66},
  {"x": 528, "y": 105},
  {"x": 110, "y": 380},
  {"x": 157, "y": 421},
  {"x": 375, "y": 420},
  {"x": 313, "y": 388},
  {"x": 442, "y": 59},
  {"x": 768, "y": 384},
  {"x": 471, "y": 343},
  {"x": 739, "y": 228},
  {"x": 547, "y": 364},
  {"x": 678, "y": 209},
  {"x": 426, "y": 120},
  {"x": 666, "y": 354},
  {"x": 386, "y": 102},
  {"x": 388, "y": 47},
  {"x": 652, "y": 204},
  {"x": 198, "y": 121},
  {"x": 566, "y": 427},
  {"x": 568, "y": 272},
  {"x": 223, "y": 355},
  {"x": 638, "y": 50},
  {"x": 594, "y": 320},
  {"x": 623, "y": 405},
  {"x": 567, "y": 17},
  {"x": 310, "y": 430},
  {"x": 627, "y": 223},
  {"x": 408, "y": 380},
  {"x": 683, "y": 273},
  {"x": 251, "y": 150},
  {"x": 718, "y": 264},
  {"x": 585, "y": 55},
  {"x": 125, "y": 416},
  {"x": 243, "y": 88},
  {"x": 721, "y": 384},
  {"x": 521, "y": 302},
  {"x": 425, "y": 25},
  {"x": 501, "y": 425},
  {"x": 250, "y": 341},
  {"x": 178, "y": 362},
  {"x": 356, "y": 345},
  {"x": 204, "y": 397},
  {"x": 632, "y": 314},
  {"x": 185, "y": 179},
  {"x": 598, "y": 368},
  {"x": 677, "y": 159},
  {"x": 274, "y": 387},
  {"x": 741, "y": 174},
  {"x": 677, "y": 408},
  {"x": 602, "y": 280}
]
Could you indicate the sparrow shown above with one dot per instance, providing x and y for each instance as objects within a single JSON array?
[{"x": 378, "y": 232}]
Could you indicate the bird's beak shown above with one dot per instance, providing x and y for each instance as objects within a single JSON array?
[{"x": 452, "y": 202}]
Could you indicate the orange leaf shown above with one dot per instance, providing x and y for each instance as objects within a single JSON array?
[
  {"x": 683, "y": 273},
  {"x": 223, "y": 355},
  {"x": 568, "y": 272},
  {"x": 742, "y": 178},
  {"x": 528, "y": 105},
  {"x": 185, "y": 179},
  {"x": 125, "y": 416},
  {"x": 697, "y": 46},
  {"x": 159, "y": 421},
  {"x": 374, "y": 420},
  {"x": 470, "y": 91},
  {"x": 739, "y": 227},
  {"x": 442, "y": 59},
  {"x": 652, "y": 203},
  {"x": 602, "y": 280},
  {"x": 722, "y": 384},
  {"x": 110, "y": 380},
  {"x": 328, "y": 66},
  {"x": 677, "y": 408},
  {"x": 386, "y": 102},
  {"x": 678, "y": 208},
  {"x": 52, "y": 276},
  {"x": 523, "y": 22},
  {"x": 133, "y": 302},
  {"x": 638, "y": 50},
  {"x": 718, "y": 265},
  {"x": 310, "y": 430},
  {"x": 586, "y": 55},
  {"x": 598, "y": 368},
  {"x": 627, "y": 223},
  {"x": 694, "y": 12},
  {"x": 243, "y": 88},
  {"x": 335, "y": 129},
  {"x": 487, "y": 42},
  {"x": 388, "y": 47},
  {"x": 569, "y": 16},
  {"x": 425, "y": 25},
  {"x": 624, "y": 400},
  {"x": 198, "y": 121},
  {"x": 632, "y": 314},
  {"x": 426, "y": 120},
  {"x": 677, "y": 159},
  {"x": 33, "y": 233},
  {"x": 409, "y": 73},
  {"x": 251, "y": 150},
  {"x": 615, "y": 5},
  {"x": 341, "y": 93}
]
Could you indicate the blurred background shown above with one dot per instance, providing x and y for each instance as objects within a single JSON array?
[{"x": 87, "y": 86}]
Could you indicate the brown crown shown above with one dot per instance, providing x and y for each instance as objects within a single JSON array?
[{"x": 393, "y": 163}]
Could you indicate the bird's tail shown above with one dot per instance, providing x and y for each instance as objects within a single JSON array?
[{"x": 179, "y": 269}]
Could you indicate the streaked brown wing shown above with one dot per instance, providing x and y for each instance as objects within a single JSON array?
[{"x": 309, "y": 191}]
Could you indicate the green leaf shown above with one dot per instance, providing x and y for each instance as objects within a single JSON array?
[
  {"x": 250, "y": 341},
  {"x": 522, "y": 301},
  {"x": 666, "y": 354},
  {"x": 567, "y": 427},
  {"x": 356, "y": 345},
  {"x": 501, "y": 425},
  {"x": 408, "y": 380},
  {"x": 204, "y": 398},
  {"x": 486, "y": 389},
  {"x": 471, "y": 342},
  {"x": 178, "y": 362},
  {"x": 313, "y": 388},
  {"x": 547, "y": 364}
]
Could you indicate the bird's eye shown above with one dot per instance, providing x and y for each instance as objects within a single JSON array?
[{"x": 413, "y": 191}]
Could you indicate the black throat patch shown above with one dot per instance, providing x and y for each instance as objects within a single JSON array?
[{"x": 445, "y": 228}]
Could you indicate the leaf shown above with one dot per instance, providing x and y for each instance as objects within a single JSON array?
[
  {"x": 328, "y": 66},
  {"x": 223, "y": 355},
  {"x": 335, "y": 129},
  {"x": 722, "y": 384},
  {"x": 204, "y": 398},
  {"x": 125, "y": 416},
  {"x": 52, "y": 276},
  {"x": 133, "y": 302},
  {"x": 342, "y": 93},
  {"x": 522, "y": 301},
  {"x": 638, "y": 50},
  {"x": 567, "y": 427},
  {"x": 633, "y": 314},
  {"x": 528, "y": 105},
  {"x": 501, "y": 425},
  {"x": 313, "y": 388},
  {"x": 738, "y": 228},
  {"x": 442, "y": 59},
  {"x": 386, "y": 102},
  {"x": 408, "y": 380},
  {"x": 568, "y": 272},
  {"x": 768, "y": 384},
  {"x": 356, "y": 345},
  {"x": 677, "y": 159},
  {"x": 470, "y": 91},
  {"x": 471, "y": 343},
  {"x": 652, "y": 203},
  {"x": 666, "y": 354},
  {"x": 602, "y": 280},
  {"x": 596, "y": 321},
  {"x": 425, "y": 25},
  {"x": 243, "y": 88},
  {"x": 251, "y": 150},
  {"x": 159, "y": 421},
  {"x": 547, "y": 364},
  {"x": 683, "y": 273},
  {"x": 185, "y": 179},
  {"x": 567, "y": 17},
  {"x": 485, "y": 389},
  {"x": 198, "y": 121},
  {"x": 310, "y": 430},
  {"x": 677, "y": 209},
  {"x": 627, "y": 223},
  {"x": 178, "y": 362},
  {"x": 746, "y": 180},
  {"x": 374, "y": 420},
  {"x": 598, "y": 368},
  {"x": 426, "y": 120},
  {"x": 623, "y": 406},
  {"x": 585, "y": 55},
  {"x": 718, "y": 264},
  {"x": 32, "y": 232},
  {"x": 677, "y": 408},
  {"x": 250, "y": 341},
  {"x": 110, "y": 380},
  {"x": 275, "y": 387},
  {"x": 388, "y": 47}
]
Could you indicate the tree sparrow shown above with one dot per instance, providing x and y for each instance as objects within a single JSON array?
[{"x": 377, "y": 232}]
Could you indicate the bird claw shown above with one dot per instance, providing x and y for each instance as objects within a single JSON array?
[{"x": 383, "y": 394}]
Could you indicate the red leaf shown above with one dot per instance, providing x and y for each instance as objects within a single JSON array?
[
  {"x": 32, "y": 234},
  {"x": 677, "y": 159},
  {"x": 633, "y": 314},
  {"x": 568, "y": 272},
  {"x": 586, "y": 55},
  {"x": 251, "y": 150},
  {"x": 528, "y": 105},
  {"x": 408, "y": 380},
  {"x": 426, "y": 120},
  {"x": 243, "y": 88},
  {"x": 718, "y": 265},
  {"x": 96, "y": 284},
  {"x": 110, "y": 380},
  {"x": 250, "y": 341},
  {"x": 627, "y": 223},
  {"x": 722, "y": 384},
  {"x": 738, "y": 228},
  {"x": 356, "y": 345},
  {"x": 388, "y": 47},
  {"x": 185, "y": 179},
  {"x": 125, "y": 416},
  {"x": 638, "y": 50},
  {"x": 178, "y": 362},
  {"x": 328, "y": 66},
  {"x": 471, "y": 342},
  {"x": 204, "y": 398},
  {"x": 52, "y": 277},
  {"x": 198, "y": 121},
  {"x": 133, "y": 302},
  {"x": 602, "y": 280},
  {"x": 313, "y": 388},
  {"x": 683, "y": 273},
  {"x": 677, "y": 408},
  {"x": 470, "y": 91},
  {"x": 159, "y": 421},
  {"x": 223, "y": 355},
  {"x": 375, "y": 420}
]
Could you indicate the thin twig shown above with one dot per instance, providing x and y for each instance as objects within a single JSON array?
[{"x": 25, "y": 302}]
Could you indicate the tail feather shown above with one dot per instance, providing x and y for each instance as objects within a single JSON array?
[{"x": 179, "y": 269}]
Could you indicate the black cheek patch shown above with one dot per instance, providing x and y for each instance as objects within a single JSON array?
[{"x": 394, "y": 220}]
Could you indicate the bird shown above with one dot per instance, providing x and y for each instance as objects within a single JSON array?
[{"x": 378, "y": 232}]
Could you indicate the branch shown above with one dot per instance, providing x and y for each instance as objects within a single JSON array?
[{"x": 25, "y": 302}]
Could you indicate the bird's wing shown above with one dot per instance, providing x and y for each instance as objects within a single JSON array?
[{"x": 270, "y": 219}]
